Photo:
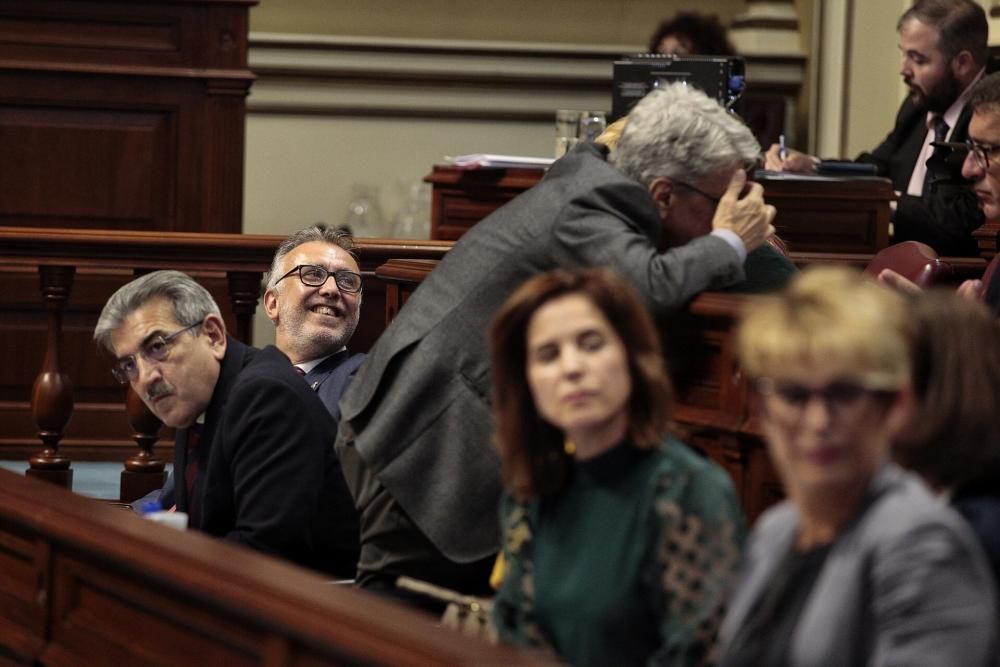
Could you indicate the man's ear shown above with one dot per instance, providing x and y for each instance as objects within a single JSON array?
[
  {"x": 213, "y": 327},
  {"x": 271, "y": 305},
  {"x": 661, "y": 189},
  {"x": 964, "y": 67}
]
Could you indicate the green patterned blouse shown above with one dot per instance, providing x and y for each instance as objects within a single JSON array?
[{"x": 630, "y": 565}]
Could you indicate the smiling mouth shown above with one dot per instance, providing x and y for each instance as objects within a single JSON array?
[{"x": 329, "y": 311}]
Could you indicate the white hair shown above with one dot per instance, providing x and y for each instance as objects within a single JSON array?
[{"x": 677, "y": 131}]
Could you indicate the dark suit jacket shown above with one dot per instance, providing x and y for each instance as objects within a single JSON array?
[
  {"x": 268, "y": 477},
  {"x": 946, "y": 217},
  {"x": 419, "y": 408},
  {"x": 330, "y": 378}
]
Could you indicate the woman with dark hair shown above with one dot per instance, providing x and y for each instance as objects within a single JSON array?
[
  {"x": 619, "y": 541},
  {"x": 691, "y": 34},
  {"x": 953, "y": 441}
]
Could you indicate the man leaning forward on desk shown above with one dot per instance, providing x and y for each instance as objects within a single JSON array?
[
  {"x": 944, "y": 52},
  {"x": 670, "y": 210}
]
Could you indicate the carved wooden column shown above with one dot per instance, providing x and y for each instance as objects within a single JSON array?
[
  {"x": 144, "y": 472},
  {"x": 244, "y": 292},
  {"x": 52, "y": 393}
]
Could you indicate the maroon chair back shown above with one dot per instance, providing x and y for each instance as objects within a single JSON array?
[{"x": 915, "y": 261}]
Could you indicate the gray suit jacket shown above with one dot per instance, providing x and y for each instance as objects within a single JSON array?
[
  {"x": 419, "y": 408},
  {"x": 905, "y": 583}
]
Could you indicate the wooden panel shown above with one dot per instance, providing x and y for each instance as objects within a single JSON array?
[
  {"x": 462, "y": 197},
  {"x": 27, "y": 32},
  {"x": 126, "y": 34},
  {"x": 83, "y": 583},
  {"x": 108, "y": 168},
  {"x": 22, "y": 620},
  {"x": 123, "y": 115}
]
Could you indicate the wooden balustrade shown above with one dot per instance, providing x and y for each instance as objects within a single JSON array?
[
  {"x": 86, "y": 583},
  {"x": 230, "y": 264},
  {"x": 52, "y": 392}
]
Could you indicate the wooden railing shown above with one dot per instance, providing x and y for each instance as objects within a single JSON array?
[
  {"x": 86, "y": 583},
  {"x": 104, "y": 260}
]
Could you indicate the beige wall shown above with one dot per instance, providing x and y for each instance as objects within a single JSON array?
[
  {"x": 562, "y": 21},
  {"x": 875, "y": 89},
  {"x": 872, "y": 89}
]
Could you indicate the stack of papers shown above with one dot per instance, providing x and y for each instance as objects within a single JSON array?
[{"x": 481, "y": 160}]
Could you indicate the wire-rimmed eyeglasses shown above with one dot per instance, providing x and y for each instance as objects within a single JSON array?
[
  {"x": 155, "y": 349},
  {"x": 316, "y": 276}
]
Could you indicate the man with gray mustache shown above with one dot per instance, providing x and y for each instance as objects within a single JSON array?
[{"x": 253, "y": 461}]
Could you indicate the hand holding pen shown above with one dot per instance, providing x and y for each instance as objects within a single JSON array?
[{"x": 779, "y": 157}]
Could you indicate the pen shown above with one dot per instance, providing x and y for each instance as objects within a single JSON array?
[{"x": 782, "y": 151}]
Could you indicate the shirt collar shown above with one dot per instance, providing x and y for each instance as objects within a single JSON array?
[{"x": 307, "y": 366}]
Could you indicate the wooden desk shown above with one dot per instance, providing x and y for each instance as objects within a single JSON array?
[
  {"x": 814, "y": 215},
  {"x": 85, "y": 583}
]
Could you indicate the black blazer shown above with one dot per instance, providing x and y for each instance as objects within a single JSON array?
[
  {"x": 946, "y": 217},
  {"x": 268, "y": 477}
]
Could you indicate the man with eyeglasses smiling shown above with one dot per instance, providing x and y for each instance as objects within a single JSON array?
[
  {"x": 312, "y": 294},
  {"x": 253, "y": 461}
]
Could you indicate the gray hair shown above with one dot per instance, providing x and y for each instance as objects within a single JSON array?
[
  {"x": 191, "y": 302},
  {"x": 677, "y": 131},
  {"x": 318, "y": 232},
  {"x": 985, "y": 95}
]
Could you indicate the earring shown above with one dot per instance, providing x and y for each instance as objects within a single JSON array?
[{"x": 569, "y": 447}]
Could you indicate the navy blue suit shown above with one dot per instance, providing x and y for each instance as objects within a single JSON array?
[{"x": 330, "y": 378}]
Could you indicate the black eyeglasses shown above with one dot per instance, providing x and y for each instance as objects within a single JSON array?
[
  {"x": 749, "y": 169},
  {"x": 156, "y": 349},
  {"x": 316, "y": 276},
  {"x": 787, "y": 399},
  {"x": 981, "y": 152},
  {"x": 714, "y": 200}
]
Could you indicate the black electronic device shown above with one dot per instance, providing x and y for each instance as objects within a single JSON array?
[{"x": 721, "y": 77}]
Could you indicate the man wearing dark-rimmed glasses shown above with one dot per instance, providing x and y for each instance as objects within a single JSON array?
[
  {"x": 982, "y": 169},
  {"x": 312, "y": 294},
  {"x": 253, "y": 462}
]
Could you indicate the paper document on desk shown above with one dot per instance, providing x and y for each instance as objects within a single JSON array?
[{"x": 482, "y": 160}]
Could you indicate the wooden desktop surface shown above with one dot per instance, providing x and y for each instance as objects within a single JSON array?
[{"x": 847, "y": 215}]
